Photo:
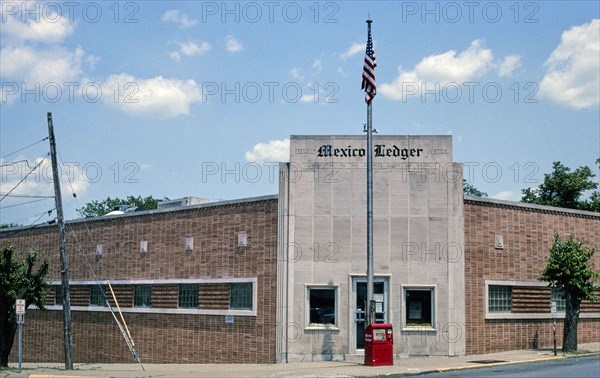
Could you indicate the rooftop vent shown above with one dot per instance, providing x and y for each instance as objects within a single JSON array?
[{"x": 181, "y": 202}]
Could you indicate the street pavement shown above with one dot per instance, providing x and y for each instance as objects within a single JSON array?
[{"x": 401, "y": 367}]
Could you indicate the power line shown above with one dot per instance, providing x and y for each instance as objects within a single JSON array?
[
  {"x": 30, "y": 227},
  {"x": 70, "y": 183},
  {"x": 16, "y": 162},
  {"x": 23, "y": 196},
  {"x": 41, "y": 215},
  {"x": 23, "y": 179},
  {"x": 24, "y": 203},
  {"x": 24, "y": 148},
  {"x": 36, "y": 215}
]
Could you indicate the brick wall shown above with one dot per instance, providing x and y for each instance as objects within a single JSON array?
[
  {"x": 160, "y": 338},
  {"x": 527, "y": 234}
]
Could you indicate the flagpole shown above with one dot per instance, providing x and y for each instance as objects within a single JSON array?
[{"x": 369, "y": 318}]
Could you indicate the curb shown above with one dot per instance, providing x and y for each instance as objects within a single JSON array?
[
  {"x": 481, "y": 366},
  {"x": 468, "y": 367}
]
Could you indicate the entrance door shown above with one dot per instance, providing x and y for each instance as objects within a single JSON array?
[{"x": 380, "y": 294}]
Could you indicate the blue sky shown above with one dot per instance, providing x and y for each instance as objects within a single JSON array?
[{"x": 199, "y": 98}]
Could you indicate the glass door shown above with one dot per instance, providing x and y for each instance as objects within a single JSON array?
[{"x": 360, "y": 305}]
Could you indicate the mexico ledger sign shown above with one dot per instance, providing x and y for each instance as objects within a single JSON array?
[{"x": 380, "y": 150}]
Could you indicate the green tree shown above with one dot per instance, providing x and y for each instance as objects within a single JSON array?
[
  {"x": 565, "y": 188},
  {"x": 471, "y": 190},
  {"x": 568, "y": 268},
  {"x": 10, "y": 225},
  {"x": 99, "y": 208},
  {"x": 595, "y": 202},
  {"x": 18, "y": 281}
]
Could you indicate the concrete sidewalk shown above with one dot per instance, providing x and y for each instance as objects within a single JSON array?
[{"x": 408, "y": 366}]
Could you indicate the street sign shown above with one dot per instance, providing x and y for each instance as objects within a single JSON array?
[
  {"x": 20, "y": 306},
  {"x": 553, "y": 312}
]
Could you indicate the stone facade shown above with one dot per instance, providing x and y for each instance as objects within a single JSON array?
[{"x": 418, "y": 245}]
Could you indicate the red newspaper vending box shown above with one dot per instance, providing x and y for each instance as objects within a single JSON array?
[{"x": 379, "y": 345}]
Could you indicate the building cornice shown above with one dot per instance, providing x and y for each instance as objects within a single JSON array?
[
  {"x": 200, "y": 207},
  {"x": 490, "y": 202}
]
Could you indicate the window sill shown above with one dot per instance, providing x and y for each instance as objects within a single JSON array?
[
  {"x": 154, "y": 310},
  {"x": 536, "y": 315},
  {"x": 418, "y": 329},
  {"x": 321, "y": 327}
]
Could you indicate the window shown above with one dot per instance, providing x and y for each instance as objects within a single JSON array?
[
  {"x": 142, "y": 295},
  {"x": 97, "y": 296},
  {"x": 419, "y": 305},
  {"x": 240, "y": 296},
  {"x": 499, "y": 298},
  {"x": 558, "y": 296},
  {"x": 58, "y": 295},
  {"x": 188, "y": 295},
  {"x": 322, "y": 305}
]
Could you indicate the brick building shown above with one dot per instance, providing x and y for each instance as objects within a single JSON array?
[
  {"x": 188, "y": 291},
  {"x": 281, "y": 278},
  {"x": 506, "y": 306}
]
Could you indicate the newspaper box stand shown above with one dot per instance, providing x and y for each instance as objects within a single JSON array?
[{"x": 379, "y": 345}]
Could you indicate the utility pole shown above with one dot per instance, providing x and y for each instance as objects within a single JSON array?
[{"x": 62, "y": 247}]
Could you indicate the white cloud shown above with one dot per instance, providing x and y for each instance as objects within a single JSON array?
[
  {"x": 233, "y": 45},
  {"x": 192, "y": 48},
  {"x": 275, "y": 150},
  {"x": 353, "y": 50},
  {"x": 449, "y": 67},
  {"x": 442, "y": 69},
  {"x": 32, "y": 52},
  {"x": 457, "y": 138},
  {"x": 309, "y": 98},
  {"x": 508, "y": 65},
  {"x": 42, "y": 66},
  {"x": 174, "y": 55},
  {"x": 317, "y": 65},
  {"x": 507, "y": 195},
  {"x": 189, "y": 48},
  {"x": 51, "y": 28},
  {"x": 155, "y": 97},
  {"x": 182, "y": 19},
  {"x": 572, "y": 69},
  {"x": 297, "y": 73}
]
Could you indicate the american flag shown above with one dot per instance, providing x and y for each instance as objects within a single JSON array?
[{"x": 368, "y": 76}]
